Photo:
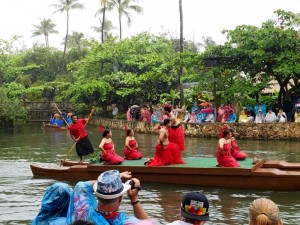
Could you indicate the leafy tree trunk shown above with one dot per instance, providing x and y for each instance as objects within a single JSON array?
[
  {"x": 103, "y": 22},
  {"x": 66, "y": 40},
  {"x": 181, "y": 51}
]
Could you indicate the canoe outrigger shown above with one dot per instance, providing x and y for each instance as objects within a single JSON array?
[{"x": 266, "y": 174}]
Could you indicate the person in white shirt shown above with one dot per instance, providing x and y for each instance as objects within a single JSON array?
[
  {"x": 193, "y": 210},
  {"x": 270, "y": 117},
  {"x": 259, "y": 118},
  {"x": 281, "y": 116}
]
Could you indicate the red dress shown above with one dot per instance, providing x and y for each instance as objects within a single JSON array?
[
  {"x": 166, "y": 156},
  {"x": 176, "y": 135},
  {"x": 110, "y": 157},
  {"x": 134, "y": 153},
  {"x": 226, "y": 160},
  {"x": 236, "y": 153}
]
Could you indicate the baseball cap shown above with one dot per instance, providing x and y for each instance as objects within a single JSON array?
[{"x": 195, "y": 206}]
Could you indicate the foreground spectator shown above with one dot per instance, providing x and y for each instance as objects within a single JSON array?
[
  {"x": 193, "y": 210},
  {"x": 54, "y": 206},
  {"x": 263, "y": 211},
  {"x": 109, "y": 191}
]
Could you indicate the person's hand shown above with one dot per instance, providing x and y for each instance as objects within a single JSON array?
[
  {"x": 126, "y": 175},
  {"x": 133, "y": 193}
]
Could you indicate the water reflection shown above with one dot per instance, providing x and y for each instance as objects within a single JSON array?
[{"x": 21, "y": 194}]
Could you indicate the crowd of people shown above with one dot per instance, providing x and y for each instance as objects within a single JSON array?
[
  {"x": 204, "y": 112},
  {"x": 98, "y": 202}
]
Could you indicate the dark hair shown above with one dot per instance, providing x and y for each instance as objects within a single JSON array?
[
  {"x": 82, "y": 222},
  {"x": 166, "y": 121},
  {"x": 106, "y": 132},
  {"x": 128, "y": 132},
  {"x": 73, "y": 116},
  {"x": 168, "y": 108},
  {"x": 226, "y": 132}
]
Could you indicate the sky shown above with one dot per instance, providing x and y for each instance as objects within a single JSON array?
[{"x": 201, "y": 18}]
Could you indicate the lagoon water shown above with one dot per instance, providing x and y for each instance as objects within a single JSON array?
[{"x": 21, "y": 193}]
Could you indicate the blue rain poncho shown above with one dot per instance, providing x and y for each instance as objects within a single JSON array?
[
  {"x": 54, "y": 206},
  {"x": 83, "y": 206}
]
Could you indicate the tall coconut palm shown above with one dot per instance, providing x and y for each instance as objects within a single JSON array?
[
  {"x": 180, "y": 72},
  {"x": 66, "y": 5},
  {"x": 105, "y": 5},
  {"x": 105, "y": 30},
  {"x": 124, "y": 7},
  {"x": 45, "y": 28}
]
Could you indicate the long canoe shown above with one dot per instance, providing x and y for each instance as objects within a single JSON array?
[
  {"x": 53, "y": 127},
  {"x": 266, "y": 174}
]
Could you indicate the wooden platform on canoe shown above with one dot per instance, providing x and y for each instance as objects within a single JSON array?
[
  {"x": 53, "y": 127},
  {"x": 270, "y": 175}
]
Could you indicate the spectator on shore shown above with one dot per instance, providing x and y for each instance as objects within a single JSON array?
[
  {"x": 231, "y": 117},
  {"x": 263, "y": 211},
  {"x": 281, "y": 116},
  {"x": 187, "y": 117},
  {"x": 221, "y": 111},
  {"x": 276, "y": 107},
  {"x": 154, "y": 117},
  {"x": 270, "y": 117},
  {"x": 128, "y": 114},
  {"x": 193, "y": 210},
  {"x": 115, "y": 110},
  {"x": 109, "y": 191},
  {"x": 297, "y": 115},
  {"x": 193, "y": 118},
  {"x": 243, "y": 118},
  {"x": 259, "y": 118},
  {"x": 288, "y": 109}
]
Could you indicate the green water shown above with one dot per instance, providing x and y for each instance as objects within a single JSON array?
[{"x": 21, "y": 194}]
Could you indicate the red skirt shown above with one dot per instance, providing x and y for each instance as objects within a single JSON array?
[
  {"x": 167, "y": 155},
  {"x": 176, "y": 135}
]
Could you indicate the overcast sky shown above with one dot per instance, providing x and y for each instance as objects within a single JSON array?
[{"x": 201, "y": 18}]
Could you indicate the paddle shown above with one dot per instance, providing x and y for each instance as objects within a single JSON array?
[
  {"x": 73, "y": 146},
  {"x": 61, "y": 114}
]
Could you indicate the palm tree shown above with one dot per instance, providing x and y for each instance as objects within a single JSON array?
[
  {"x": 105, "y": 30},
  {"x": 207, "y": 42},
  {"x": 124, "y": 7},
  {"x": 180, "y": 72},
  {"x": 66, "y": 5},
  {"x": 45, "y": 28},
  {"x": 106, "y": 5}
]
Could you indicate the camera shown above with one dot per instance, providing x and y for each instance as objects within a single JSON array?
[{"x": 131, "y": 183}]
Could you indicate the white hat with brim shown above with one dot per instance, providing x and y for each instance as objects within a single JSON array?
[{"x": 108, "y": 196}]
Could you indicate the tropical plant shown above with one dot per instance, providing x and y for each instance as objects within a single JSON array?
[
  {"x": 66, "y": 5},
  {"x": 124, "y": 7},
  {"x": 105, "y": 29},
  {"x": 45, "y": 28}
]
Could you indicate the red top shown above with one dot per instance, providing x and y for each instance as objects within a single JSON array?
[{"x": 77, "y": 129}]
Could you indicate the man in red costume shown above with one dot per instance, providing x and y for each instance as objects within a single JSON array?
[{"x": 80, "y": 136}]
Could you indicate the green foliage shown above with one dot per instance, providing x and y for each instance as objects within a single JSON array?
[{"x": 11, "y": 108}]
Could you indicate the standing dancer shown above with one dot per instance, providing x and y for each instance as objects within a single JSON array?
[
  {"x": 176, "y": 132},
  {"x": 80, "y": 136}
]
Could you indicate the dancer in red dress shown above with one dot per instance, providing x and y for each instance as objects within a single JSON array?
[
  {"x": 131, "y": 149},
  {"x": 223, "y": 155},
  {"x": 108, "y": 152},
  {"x": 166, "y": 152},
  {"x": 235, "y": 150},
  {"x": 176, "y": 132}
]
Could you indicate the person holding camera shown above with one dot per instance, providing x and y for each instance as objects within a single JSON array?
[{"x": 109, "y": 191}]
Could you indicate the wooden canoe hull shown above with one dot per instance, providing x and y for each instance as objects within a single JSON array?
[
  {"x": 258, "y": 178},
  {"x": 52, "y": 127}
]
